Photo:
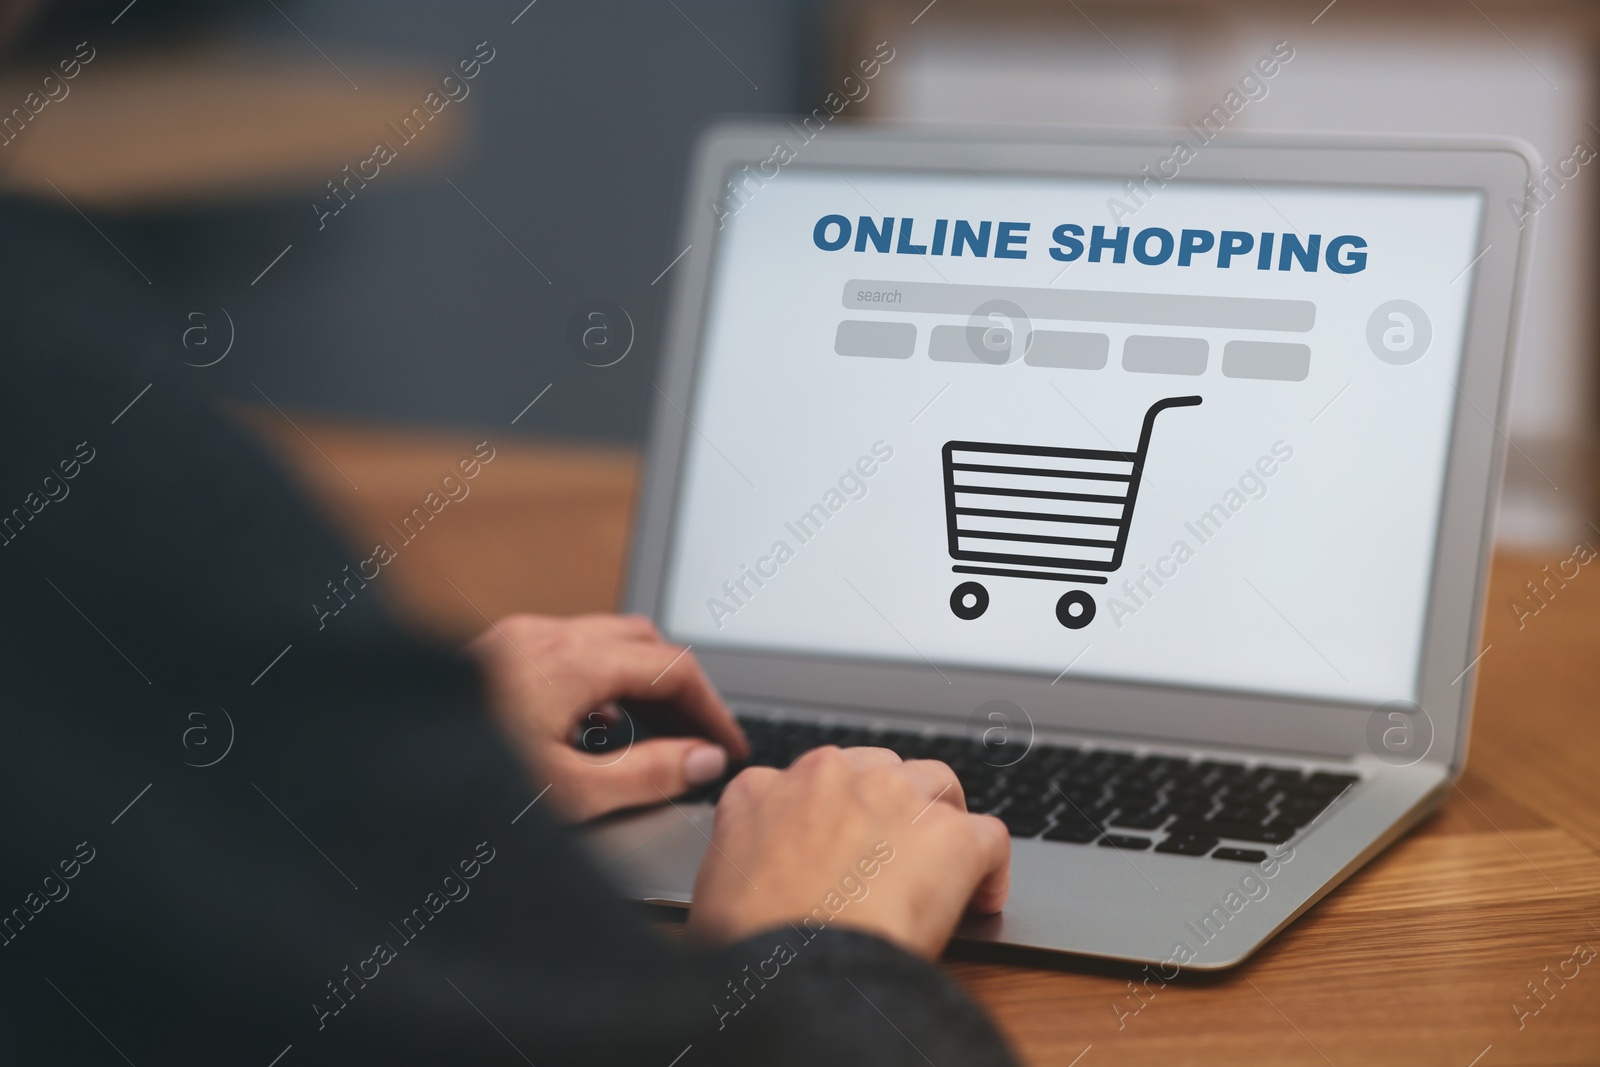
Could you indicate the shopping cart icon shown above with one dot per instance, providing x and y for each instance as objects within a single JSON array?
[{"x": 1043, "y": 513}]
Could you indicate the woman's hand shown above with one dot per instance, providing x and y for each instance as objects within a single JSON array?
[
  {"x": 853, "y": 837},
  {"x": 547, "y": 678}
]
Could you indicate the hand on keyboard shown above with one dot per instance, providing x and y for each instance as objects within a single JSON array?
[
  {"x": 851, "y": 837},
  {"x": 550, "y": 678}
]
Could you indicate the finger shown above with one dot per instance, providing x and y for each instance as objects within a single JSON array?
[
  {"x": 753, "y": 782},
  {"x": 652, "y": 671},
  {"x": 937, "y": 782},
  {"x": 864, "y": 756},
  {"x": 647, "y": 773},
  {"x": 859, "y": 758},
  {"x": 626, "y": 627},
  {"x": 994, "y": 862},
  {"x": 746, "y": 789}
]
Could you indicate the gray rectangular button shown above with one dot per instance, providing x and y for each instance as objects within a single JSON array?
[
  {"x": 1164, "y": 355},
  {"x": 1274, "y": 361},
  {"x": 1064, "y": 348},
  {"x": 875, "y": 340},
  {"x": 970, "y": 344}
]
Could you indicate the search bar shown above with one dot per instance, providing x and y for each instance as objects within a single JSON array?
[{"x": 1086, "y": 305}]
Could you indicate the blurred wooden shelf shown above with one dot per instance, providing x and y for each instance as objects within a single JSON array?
[
  {"x": 202, "y": 124},
  {"x": 1417, "y": 960}
]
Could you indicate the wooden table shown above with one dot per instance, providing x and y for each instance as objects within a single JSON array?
[{"x": 1419, "y": 959}]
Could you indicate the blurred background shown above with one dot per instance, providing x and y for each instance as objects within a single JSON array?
[
  {"x": 439, "y": 295},
  {"x": 217, "y": 148}
]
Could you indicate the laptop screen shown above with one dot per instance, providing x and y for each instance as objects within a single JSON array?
[{"x": 1192, "y": 434}]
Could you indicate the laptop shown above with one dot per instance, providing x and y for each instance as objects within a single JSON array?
[{"x": 1149, "y": 483}]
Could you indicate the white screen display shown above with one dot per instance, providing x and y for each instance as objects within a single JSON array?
[{"x": 917, "y": 428}]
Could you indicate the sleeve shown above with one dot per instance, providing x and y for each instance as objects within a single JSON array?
[
  {"x": 842, "y": 996},
  {"x": 239, "y": 830}
]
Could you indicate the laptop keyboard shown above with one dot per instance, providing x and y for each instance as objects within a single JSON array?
[{"x": 1103, "y": 797}]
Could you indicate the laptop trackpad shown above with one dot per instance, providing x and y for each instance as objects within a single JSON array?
[{"x": 653, "y": 855}]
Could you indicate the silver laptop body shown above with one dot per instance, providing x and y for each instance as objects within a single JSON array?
[{"x": 923, "y": 608}]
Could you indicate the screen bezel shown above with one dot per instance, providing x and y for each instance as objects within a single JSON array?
[{"x": 1497, "y": 169}]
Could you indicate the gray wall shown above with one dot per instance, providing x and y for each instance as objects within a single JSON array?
[{"x": 409, "y": 306}]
